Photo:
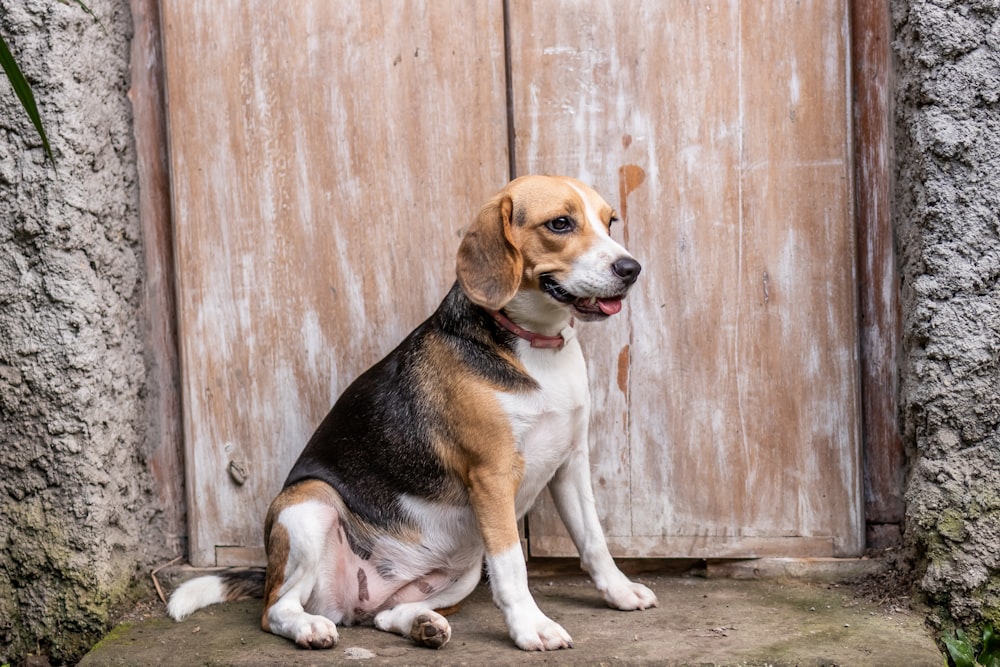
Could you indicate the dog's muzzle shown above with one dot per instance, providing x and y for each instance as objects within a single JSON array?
[{"x": 626, "y": 270}]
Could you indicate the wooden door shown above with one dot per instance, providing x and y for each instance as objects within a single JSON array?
[
  {"x": 326, "y": 156},
  {"x": 727, "y": 405}
]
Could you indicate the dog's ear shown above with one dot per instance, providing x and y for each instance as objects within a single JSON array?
[{"x": 489, "y": 262}]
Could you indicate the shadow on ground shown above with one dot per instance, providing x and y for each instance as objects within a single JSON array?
[{"x": 702, "y": 620}]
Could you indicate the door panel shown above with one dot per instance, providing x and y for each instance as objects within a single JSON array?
[
  {"x": 723, "y": 128},
  {"x": 321, "y": 178}
]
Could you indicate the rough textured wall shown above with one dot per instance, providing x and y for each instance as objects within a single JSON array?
[
  {"x": 948, "y": 214},
  {"x": 74, "y": 493}
]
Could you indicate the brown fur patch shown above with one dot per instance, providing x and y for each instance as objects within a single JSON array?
[
  {"x": 542, "y": 200},
  {"x": 476, "y": 443},
  {"x": 489, "y": 263},
  {"x": 243, "y": 584},
  {"x": 278, "y": 546},
  {"x": 362, "y": 585},
  {"x": 448, "y": 611}
]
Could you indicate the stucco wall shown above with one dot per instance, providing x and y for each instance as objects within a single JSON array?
[
  {"x": 948, "y": 239},
  {"x": 78, "y": 526}
]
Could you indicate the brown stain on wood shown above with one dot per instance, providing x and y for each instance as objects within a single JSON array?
[
  {"x": 623, "y": 362},
  {"x": 630, "y": 177}
]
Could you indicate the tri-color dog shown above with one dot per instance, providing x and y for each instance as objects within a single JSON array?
[{"x": 426, "y": 463}]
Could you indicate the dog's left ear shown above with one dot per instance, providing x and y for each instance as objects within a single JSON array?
[{"x": 489, "y": 263}]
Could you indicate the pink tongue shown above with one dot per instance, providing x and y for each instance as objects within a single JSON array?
[{"x": 609, "y": 306}]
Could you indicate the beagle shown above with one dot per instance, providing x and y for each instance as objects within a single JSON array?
[{"x": 425, "y": 464}]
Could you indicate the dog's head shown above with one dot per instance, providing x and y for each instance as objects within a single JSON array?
[{"x": 546, "y": 239}]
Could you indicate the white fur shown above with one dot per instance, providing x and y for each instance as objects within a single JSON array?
[
  {"x": 308, "y": 525},
  {"x": 551, "y": 427},
  {"x": 450, "y": 535},
  {"x": 195, "y": 594},
  {"x": 574, "y": 497},
  {"x": 550, "y": 423},
  {"x": 530, "y": 629}
]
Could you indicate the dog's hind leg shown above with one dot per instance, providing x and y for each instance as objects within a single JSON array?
[
  {"x": 297, "y": 541},
  {"x": 419, "y": 621}
]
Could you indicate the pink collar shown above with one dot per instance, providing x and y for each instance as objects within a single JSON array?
[{"x": 535, "y": 339}]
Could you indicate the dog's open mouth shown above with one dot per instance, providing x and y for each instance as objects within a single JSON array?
[{"x": 601, "y": 306}]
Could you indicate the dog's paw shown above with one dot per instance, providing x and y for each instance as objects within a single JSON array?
[
  {"x": 629, "y": 596},
  {"x": 543, "y": 634},
  {"x": 430, "y": 629},
  {"x": 316, "y": 632}
]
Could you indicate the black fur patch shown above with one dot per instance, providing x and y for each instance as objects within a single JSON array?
[
  {"x": 243, "y": 584},
  {"x": 376, "y": 441}
]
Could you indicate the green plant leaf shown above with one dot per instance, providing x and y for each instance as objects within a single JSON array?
[
  {"x": 23, "y": 91},
  {"x": 962, "y": 652},
  {"x": 990, "y": 655}
]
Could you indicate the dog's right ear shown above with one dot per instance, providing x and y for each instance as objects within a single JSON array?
[{"x": 489, "y": 262}]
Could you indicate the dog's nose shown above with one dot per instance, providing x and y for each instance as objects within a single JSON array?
[{"x": 627, "y": 269}]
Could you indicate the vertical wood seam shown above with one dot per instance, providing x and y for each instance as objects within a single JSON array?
[{"x": 509, "y": 83}]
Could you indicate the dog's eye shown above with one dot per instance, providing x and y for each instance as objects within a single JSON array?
[
  {"x": 612, "y": 220},
  {"x": 560, "y": 225}
]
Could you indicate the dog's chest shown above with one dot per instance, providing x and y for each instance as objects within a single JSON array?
[{"x": 549, "y": 421}]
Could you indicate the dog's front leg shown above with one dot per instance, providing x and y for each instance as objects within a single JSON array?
[
  {"x": 574, "y": 497},
  {"x": 492, "y": 490}
]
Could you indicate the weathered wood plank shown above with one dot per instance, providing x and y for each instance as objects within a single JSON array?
[
  {"x": 164, "y": 442},
  {"x": 325, "y": 158},
  {"x": 321, "y": 182},
  {"x": 566, "y": 118},
  {"x": 798, "y": 271},
  {"x": 878, "y": 283}
]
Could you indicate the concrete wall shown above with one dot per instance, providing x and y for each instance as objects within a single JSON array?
[
  {"x": 80, "y": 523},
  {"x": 948, "y": 239}
]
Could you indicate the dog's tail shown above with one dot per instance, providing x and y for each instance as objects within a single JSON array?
[{"x": 223, "y": 587}]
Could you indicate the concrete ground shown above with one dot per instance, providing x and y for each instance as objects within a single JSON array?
[{"x": 769, "y": 612}]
